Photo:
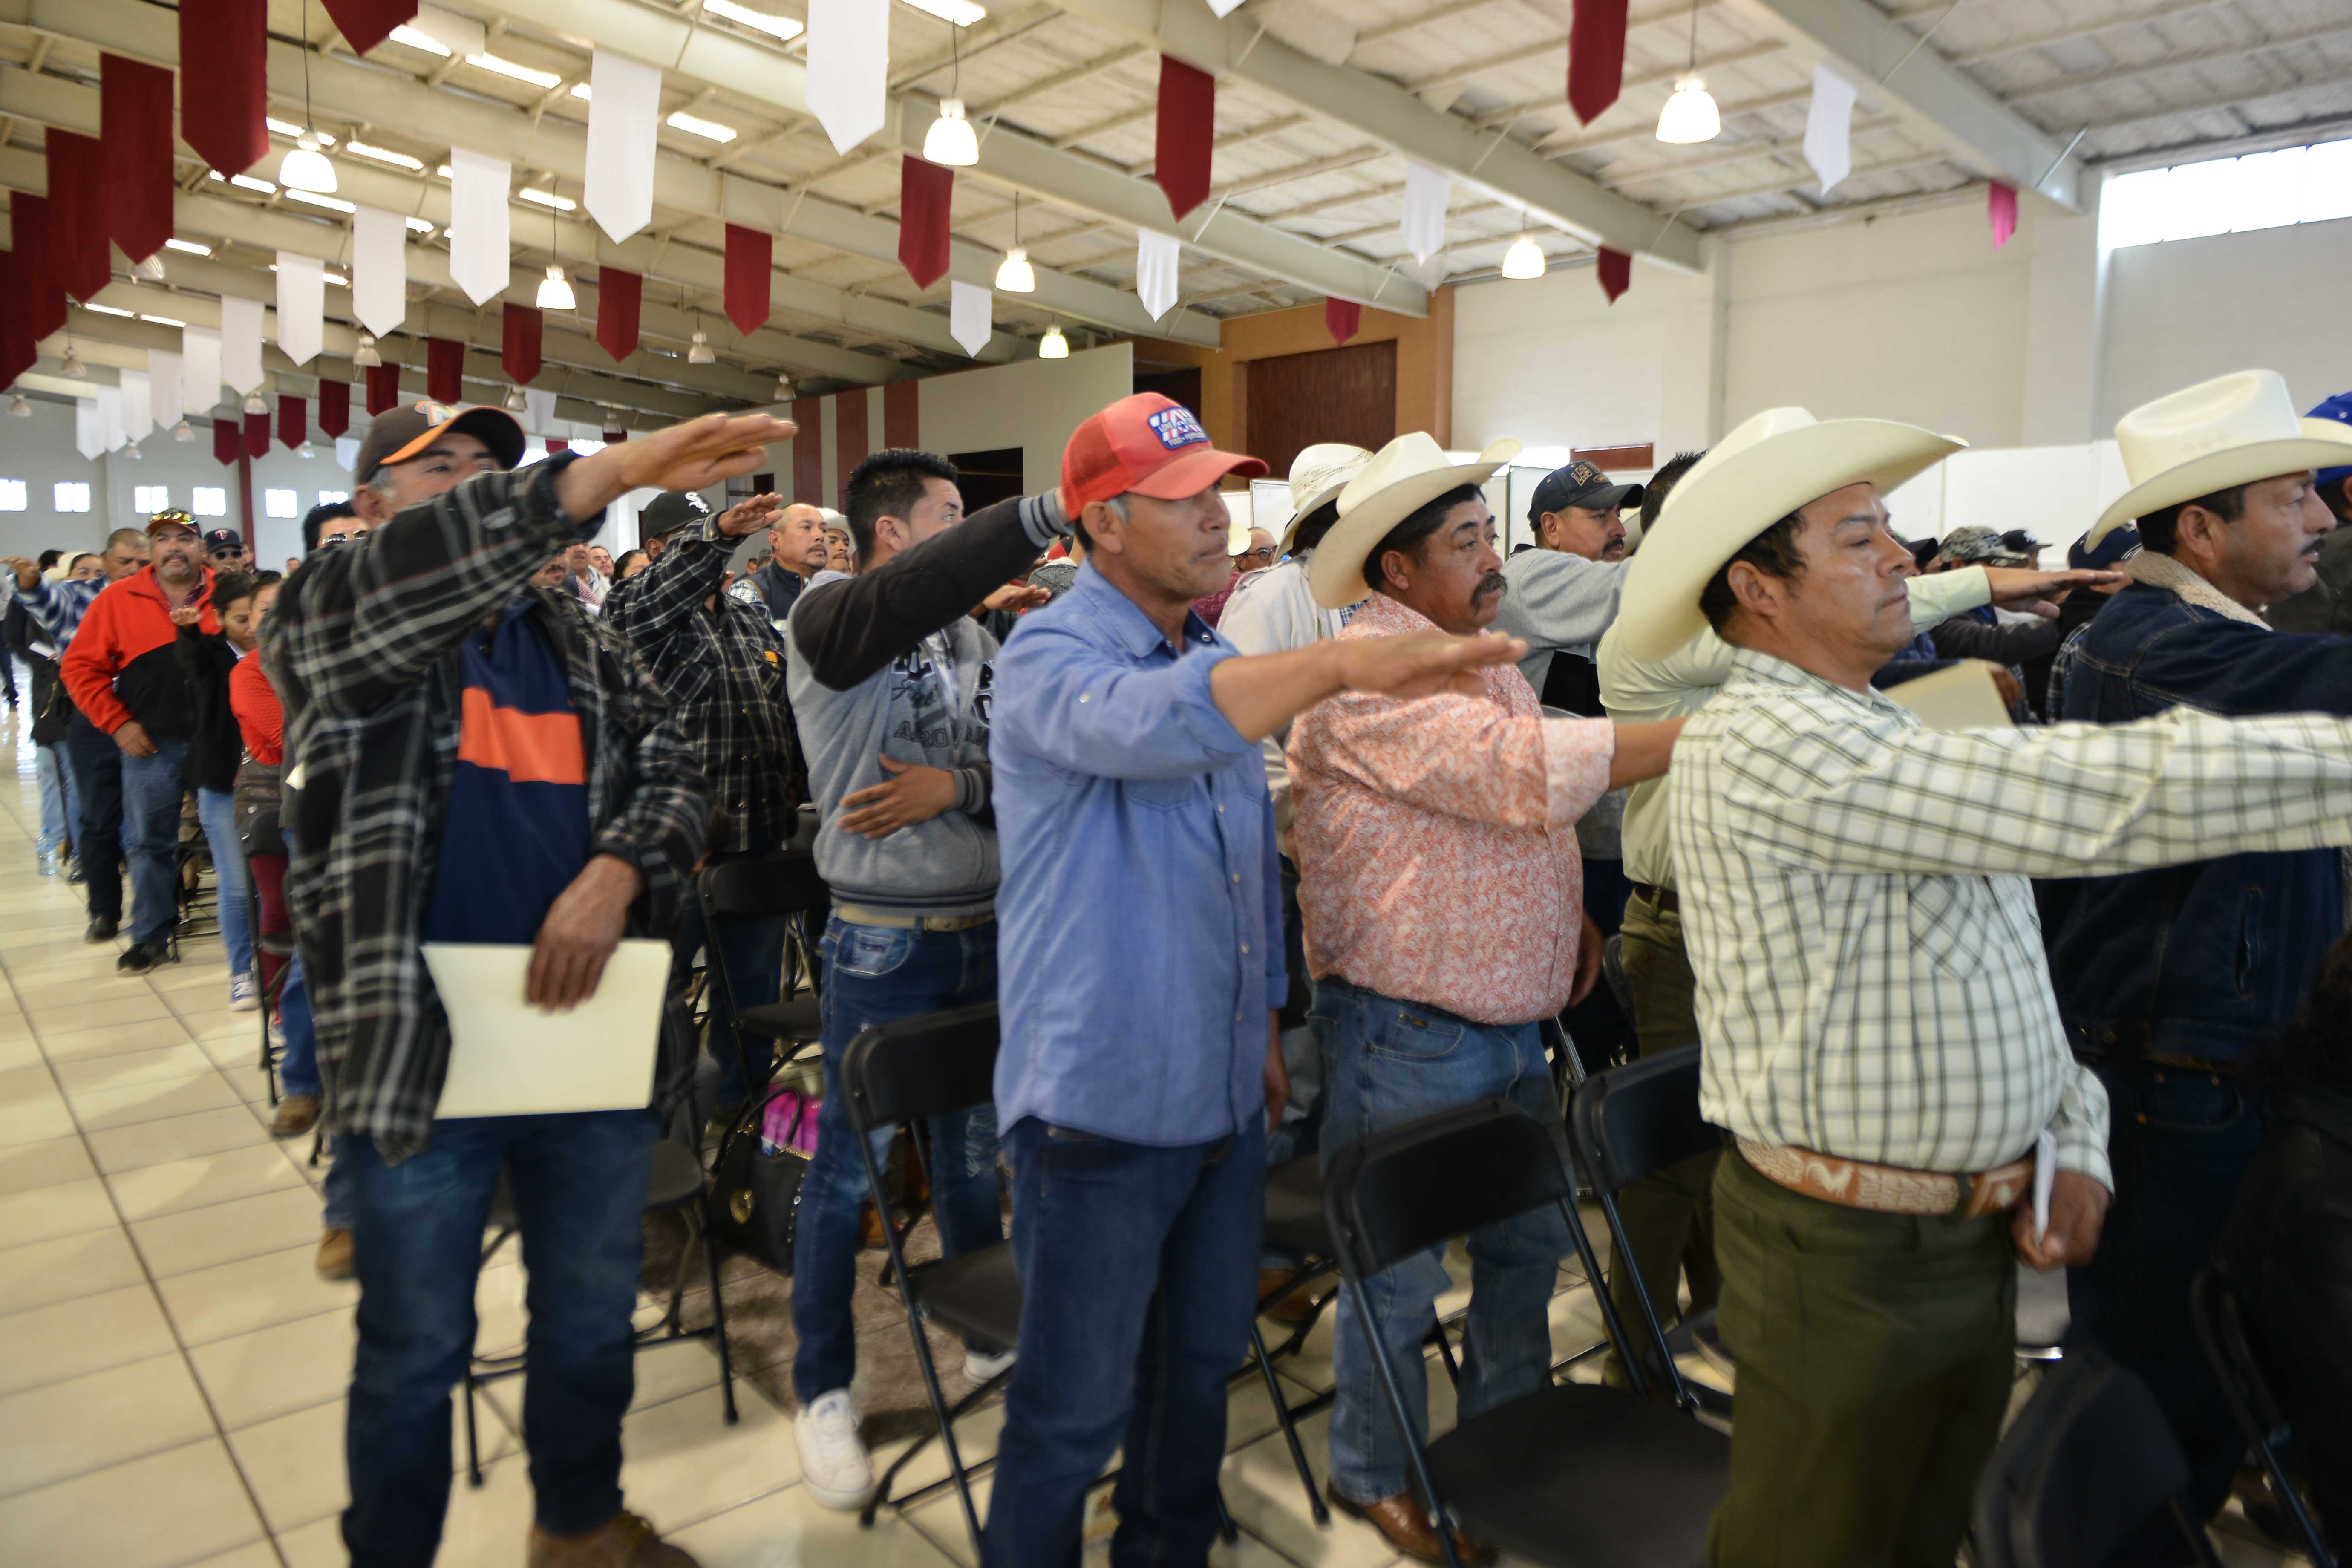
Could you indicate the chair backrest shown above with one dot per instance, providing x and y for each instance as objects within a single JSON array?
[
  {"x": 2081, "y": 1470},
  {"x": 2262, "y": 1420},
  {"x": 1638, "y": 1119},
  {"x": 1403, "y": 1190},
  {"x": 926, "y": 1066},
  {"x": 783, "y": 883}
]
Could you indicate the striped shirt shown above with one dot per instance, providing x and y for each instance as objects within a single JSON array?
[
  {"x": 58, "y": 607},
  {"x": 1871, "y": 979}
]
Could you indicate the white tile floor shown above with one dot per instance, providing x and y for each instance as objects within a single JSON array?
[{"x": 172, "y": 1371}]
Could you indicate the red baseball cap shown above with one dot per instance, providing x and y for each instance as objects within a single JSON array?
[{"x": 1147, "y": 444}]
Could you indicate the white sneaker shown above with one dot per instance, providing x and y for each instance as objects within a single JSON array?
[
  {"x": 979, "y": 1369},
  {"x": 834, "y": 1465},
  {"x": 244, "y": 997}
]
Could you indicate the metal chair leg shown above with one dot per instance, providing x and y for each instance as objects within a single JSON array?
[
  {"x": 1314, "y": 1502},
  {"x": 717, "y": 1314},
  {"x": 473, "y": 1439}
]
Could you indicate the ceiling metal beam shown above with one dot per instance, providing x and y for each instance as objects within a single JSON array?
[
  {"x": 2197, "y": 56},
  {"x": 1904, "y": 72},
  {"x": 1238, "y": 48}
]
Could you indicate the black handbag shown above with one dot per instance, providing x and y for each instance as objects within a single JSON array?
[{"x": 755, "y": 1193}]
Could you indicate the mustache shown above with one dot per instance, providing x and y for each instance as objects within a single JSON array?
[{"x": 1493, "y": 583}]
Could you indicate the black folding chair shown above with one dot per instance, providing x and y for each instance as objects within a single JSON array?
[
  {"x": 674, "y": 1185},
  {"x": 2085, "y": 1466},
  {"x": 1576, "y": 1473},
  {"x": 766, "y": 886},
  {"x": 2222, "y": 1334},
  {"x": 906, "y": 1072}
]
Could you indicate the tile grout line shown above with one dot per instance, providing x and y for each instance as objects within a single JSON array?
[{"x": 220, "y": 1431}]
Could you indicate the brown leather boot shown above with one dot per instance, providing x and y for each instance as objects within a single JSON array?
[
  {"x": 1293, "y": 1306},
  {"x": 625, "y": 1541},
  {"x": 297, "y": 1114},
  {"x": 1407, "y": 1526},
  {"x": 334, "y": 1261}
]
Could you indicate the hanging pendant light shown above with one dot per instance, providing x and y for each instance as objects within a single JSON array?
[
  {"x": 701, "y": 351},
  {"x": 1525, "y": 259},
  {"x": 366, "y": 357},
  {"x": 73, "y": 365},
  {"x": 150, "y": 271},
  {"x": 1014, "y": 274},
  {"x": 554, "y": 293},
  {"x": 784, "y": 388},
  {"x": 306, "y": 168},
  {"x": 18, "y": 406},
  {"x": 133, "y": 451},
  {"x": 1690, "y": 115},
  {"x": 183, "y": 431},
  {"x": 949, "y": 141},
  {"x": 1053, "y": 346},
  {"x": 515, "y": 403},
  {"x": 253, "y": 404},
  {"x": 306, "y": 450}
]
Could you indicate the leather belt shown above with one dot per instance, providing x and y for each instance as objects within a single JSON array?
[
  {"x": 1662, "y": 899},
  {"x": 1888, "y": 1189},
  {"x": 859, "y": 915}
]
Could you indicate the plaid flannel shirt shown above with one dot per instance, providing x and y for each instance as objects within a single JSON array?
[
  {"x": 58, "y": 607},
  {"x": 1871, "y": 977},
  {"x": 362, "y": 648},
  {"x": 725, "y": 671}
]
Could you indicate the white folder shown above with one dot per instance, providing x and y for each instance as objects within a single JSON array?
[
  {"x": 508, "y": 1058},
  {"x": 1960, "y": 697}
]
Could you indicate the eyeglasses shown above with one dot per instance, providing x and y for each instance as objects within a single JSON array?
[{"x": 1255, "y": 557}]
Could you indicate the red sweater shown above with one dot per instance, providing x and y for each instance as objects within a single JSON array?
[
  {"x": 258, "y": 716},
  {"x": 120, "y": 665}
]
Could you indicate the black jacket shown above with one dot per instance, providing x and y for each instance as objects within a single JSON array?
[
  {"x": 2287, "y": 1253},
  {"x": 216, "y": 746}
]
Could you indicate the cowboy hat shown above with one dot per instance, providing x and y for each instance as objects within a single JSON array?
[
  {"x": 1318, "y": 473},
  {"x": 1400, "y": 478},
  {"x": 1762, "y": 471},
  {"x": 2232, "y": 430}
]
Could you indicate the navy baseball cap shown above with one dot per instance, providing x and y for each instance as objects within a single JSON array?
[
  {"x": 2339, "y": 408},
  {"x": 1580, "y": 484},
  {"x": 223, "y": 539},
  {"x": 2108, "y": 553}
]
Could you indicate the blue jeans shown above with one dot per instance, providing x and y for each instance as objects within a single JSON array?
[
  {"x": 298, "y": 1073},
  {"x": 1393, "y": 1062},
  {"x": 1139, "y": 1269},
  {"x": 60, "y": 802},
  {"x": 874, "y": 975},
  {"x": 216, "y": 809},
  {"x": 579, "y": 1189},
  {"x": 96, "y": 783},
  {"x": 754, "y": 952},
  {"x": 151, "y": 791},
  {"x": 2180, "y": 1142}
]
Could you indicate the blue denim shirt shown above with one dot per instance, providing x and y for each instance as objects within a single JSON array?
[{"x": 1140, "y": 915}]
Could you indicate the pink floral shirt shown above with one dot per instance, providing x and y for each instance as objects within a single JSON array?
[{"x": 1436, "y": 839}]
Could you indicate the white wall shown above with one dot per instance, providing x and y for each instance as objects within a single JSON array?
[{"x": 1032, "y": 404}]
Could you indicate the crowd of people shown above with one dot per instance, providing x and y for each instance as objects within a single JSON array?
[{"x": 1266, "y": 843}]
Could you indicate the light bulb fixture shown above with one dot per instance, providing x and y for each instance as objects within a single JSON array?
[
  {"x": 515, "y": 403},
  {"x": 253, "y": 404},
  {"x": 306, "y": 450},
  {"x": 1690, "y": 115},
  {"x": 18, "y": 406},
  {"x": 150, "y": 271},
  {"x": 949, "y": 141},
  {"x": 1053, "y": 346},
  {"x": 1525, "y": 259},
  {"x": 73, "y": 365},
  {"x": 306, "y": 168},
  {"x": 554, "y": 293},
  {"x": 183, "y": 431},
  {"x": 1015, "y": 275},
  {"x": 364, "y": 357},
  {"x": 132, "y": 452},
  {"x": 701, "y": 351},
  {"x": 784, "y": 388}
]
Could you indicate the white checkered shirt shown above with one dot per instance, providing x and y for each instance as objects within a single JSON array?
[{"x": 1871, "y": 979}]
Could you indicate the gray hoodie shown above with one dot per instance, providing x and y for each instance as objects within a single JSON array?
[{"x": 1561, "y": 603}]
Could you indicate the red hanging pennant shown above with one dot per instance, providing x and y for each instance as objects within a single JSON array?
[
  {"x": 1616, "y": 272},
  {"x": 225, "y": 45},
  {"x": 524, "y": 329},
  {"x": 751, "y": 261},
  {"x": 382, "y": 387},
  {"x": 293, "y": 420},
  {"x": 134, "y": 117},
  {"x": 229, "y": 442},
  {"x": 614, "y": 437},
  {"x": 924, "y": 190},
  {"x": 18, "y": 352},
  {"x": 335, "y": 407},
  {"x": 618, "y": 296},
  {"x": 444, "y": 371},
  {"x": 77, "y": 173},
  {"x": 44, "y": 300},
  {"x": 1187, "y": 128},
  {"x": 1344, "y": 317},
  {"x": 364, "y": 24},
  {"x": 556, "y": 444},
  {"x": 256, "y": 435},
  {"x": 1596, "y": 57}
]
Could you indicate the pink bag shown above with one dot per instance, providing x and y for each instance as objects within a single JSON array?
[{"x": 790, "y": 1123}]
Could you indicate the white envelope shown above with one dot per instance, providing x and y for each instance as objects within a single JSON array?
[{"x": 508, "y": 1059}]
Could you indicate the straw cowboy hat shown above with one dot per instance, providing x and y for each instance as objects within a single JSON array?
[
  {"x": 2232, "y": 430},
  {"x": 1401, "y": 477},
  {"x": 1316, "y": 474},
  {"x": 1767, "y": 468}
]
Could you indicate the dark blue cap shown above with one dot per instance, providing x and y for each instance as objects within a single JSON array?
[
  {"x": 2339, "y": 408},
  {"x": 2106, "y": 556}
]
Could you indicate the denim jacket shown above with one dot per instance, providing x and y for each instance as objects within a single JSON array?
[{"x": 2203, "y": 961}]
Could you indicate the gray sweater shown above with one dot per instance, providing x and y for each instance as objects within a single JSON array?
[{"x": 1560, "y": 604}]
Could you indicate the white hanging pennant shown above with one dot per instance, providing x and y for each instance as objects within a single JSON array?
[
  {"x": 970, "y": 308},
  {"x": 347, "y": 452},
  {"x": 163, "y": 400},
  {"x": 109, "y": 418},
  {"x": 138, "y": 413},
  {"x": 1829, "y": 127},
  {"x": 1156, "y": 256},
  {"x": 849, "y": 67},
  {"x": 539, "y": 410},
  {"x": 200, "y": 370},
  {"x": 89, "y": 426},
  {"x": 240, "y": 344},
  {"x": 302, "y": 306},
  {"x": 624, "y": 121},
  {"x": 379, "y": 269},
  {"x": 1224, "y": 8},
  {"x": 479, "y": 261},
  {"x": 1426, "y": 194}
]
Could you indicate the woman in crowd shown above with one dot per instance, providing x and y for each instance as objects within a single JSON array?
[{"x": 216, "y": 751}]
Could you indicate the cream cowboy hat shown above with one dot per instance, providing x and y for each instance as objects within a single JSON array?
[
  {"x": 1748, "y": 481},
  {"x": 1316, "y": 474},
  {"x": 1401, "y": 477},
  {"x": 2232, "y": 430}
]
